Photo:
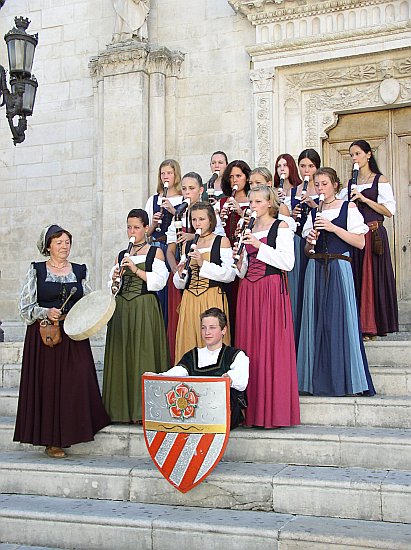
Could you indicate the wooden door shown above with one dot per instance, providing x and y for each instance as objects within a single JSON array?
[{"x": 389, "y": 134}]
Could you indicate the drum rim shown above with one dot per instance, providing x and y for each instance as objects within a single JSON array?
[{"x": 84, "y": 332}]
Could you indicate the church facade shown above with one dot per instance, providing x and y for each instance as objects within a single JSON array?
[{"x": 254, "y": 78}]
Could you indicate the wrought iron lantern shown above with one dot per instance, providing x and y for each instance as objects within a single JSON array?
[{"x": 20, "y": 100}]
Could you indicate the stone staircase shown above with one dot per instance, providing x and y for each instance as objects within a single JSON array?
[{"x": 340, "y": 480}]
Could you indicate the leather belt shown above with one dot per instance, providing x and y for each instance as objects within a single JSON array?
[{"x": 326, "y": 257}]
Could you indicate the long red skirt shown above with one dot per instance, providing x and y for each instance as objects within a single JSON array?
[{"x": 264, "y": 330}]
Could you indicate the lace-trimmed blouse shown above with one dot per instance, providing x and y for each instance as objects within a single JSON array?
[{"x": 29, "y": 309}]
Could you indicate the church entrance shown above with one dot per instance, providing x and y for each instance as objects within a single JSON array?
[{"x": 389, "y": 134}]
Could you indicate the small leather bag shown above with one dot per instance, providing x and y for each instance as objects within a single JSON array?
[
  {"x": 50, "y": 333},
  {"x": 376, "y": 241}
]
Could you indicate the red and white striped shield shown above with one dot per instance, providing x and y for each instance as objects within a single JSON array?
[{"x": 186, "y": 424}]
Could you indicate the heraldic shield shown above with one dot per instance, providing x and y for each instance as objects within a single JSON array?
[{"x": 186, "y": 424}]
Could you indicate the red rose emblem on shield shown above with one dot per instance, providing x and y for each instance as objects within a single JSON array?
[{"x": 182, "y": 402}]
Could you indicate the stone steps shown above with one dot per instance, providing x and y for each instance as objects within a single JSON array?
[
  {"x": 103, "y": 525},
  {"x": 352, "y": 493},
  {"x": 378, "y": 411},
  {"x": 301, "y": 445},
  {"x": 390, "y": 365},
  {"x": 340, "y": 480},
  {"x": 6, "y": 546},
  {"x": 387, "y": 380}
]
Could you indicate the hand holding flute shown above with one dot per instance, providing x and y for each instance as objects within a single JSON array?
[
  {"x": 315, "y": 233},
  {"x": 303, "y": 210},
  {"x": 160, "y": 219},
  {"x": 193, "y": 246},
  {"x": 353, "y": 194},
  {"x": 281, "y": 192},
  {"x": 246, "y": 231},
  {"x": 118, "y": 273},
  {"x": 228, "y": 206},
  {"x": 210, "y": 190}
]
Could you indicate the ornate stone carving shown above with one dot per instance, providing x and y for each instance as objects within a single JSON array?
[
  {"x": 330, "y": 37},
  {"x": 334, "y": 100},
  {"x": 262, "y": 80},
  {"x": 266, "y": 11},
  {"x": 369, "y": 72},
  {"x": 390, "y": 90},
  {"x": 134, "y": 56},
  {"x": 328, "y": 92},
  {"x": 263, "y": 134},
  {"x": 405, "y": 92}
]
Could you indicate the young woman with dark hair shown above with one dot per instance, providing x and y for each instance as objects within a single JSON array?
[
  {"x": 285, "y": 167},
  {"x": 136, "y": 335},
  {"x": 237, "y": 174},
  {"x": 218, "y": 163},
  {"x": 372, "y": 266}
]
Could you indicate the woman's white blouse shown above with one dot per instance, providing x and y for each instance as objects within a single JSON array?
[
  {"x": 149, "y": 208},
  {"x": 224, "y": 273},
  {"x": 355, "y": 221},
  {"x": 29, "y": 309},
  {"x": 385, "y": 194},
  {"x": 281, "y": 257},
  {"x": 156, "y": 279},
  {"x": 239, "y": 368}
]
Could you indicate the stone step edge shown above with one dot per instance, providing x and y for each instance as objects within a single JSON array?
[
  {"x": 13, "y": 546},
  {"x": 379, "y": 353},
  {"x": 273, "y": 472},
  {"x": 306, "y": 432},
  {"x": 303, "y": 445},
  {"x": 356, "y": 493},
  {"x": 116, "y": 525},
  {"x": 376, "y": 400}
]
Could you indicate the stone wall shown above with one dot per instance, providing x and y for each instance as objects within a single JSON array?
[
  {"x": 58, "y": 173},
  {"x": 50, "y": 176}
]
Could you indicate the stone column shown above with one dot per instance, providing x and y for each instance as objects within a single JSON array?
[
  {"x": 129, "y": 86},
  {"x": 263, "y": 117}
]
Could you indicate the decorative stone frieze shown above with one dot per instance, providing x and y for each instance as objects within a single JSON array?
[
  {"x": 267, "y": 11},
  {"x": 349, "y": 74},
  {"x": 262, "y": 80},
  {"x": 293, "y": 43},
  {"x": 133, "y": 56},
  {"x": 326, "y": 92}
]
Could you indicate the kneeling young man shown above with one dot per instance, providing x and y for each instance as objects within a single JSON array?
[{"x": 217, "y": 359}]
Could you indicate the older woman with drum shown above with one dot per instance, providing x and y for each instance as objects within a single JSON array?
[{"x": 59, "y": 401}]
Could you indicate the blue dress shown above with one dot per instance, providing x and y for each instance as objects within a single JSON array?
[
  {"x": 296, "y": 275},
  {"x": 331, "y": 358}
]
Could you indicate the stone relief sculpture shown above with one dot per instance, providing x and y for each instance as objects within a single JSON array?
[{"x": 131, "y": 20}]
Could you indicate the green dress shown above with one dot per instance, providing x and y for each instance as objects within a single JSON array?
[{"x": 135, "y": 343}]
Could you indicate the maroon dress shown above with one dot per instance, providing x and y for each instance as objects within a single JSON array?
[
  {"x": 231, "y": 289},
  {"x": 373, "y": 274},
  {"x": 264, "y": 330},
  {"x": 59, "y": 400}
]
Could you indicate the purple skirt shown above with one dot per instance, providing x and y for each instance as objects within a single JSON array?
[{"x": 59, "y": 400}]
